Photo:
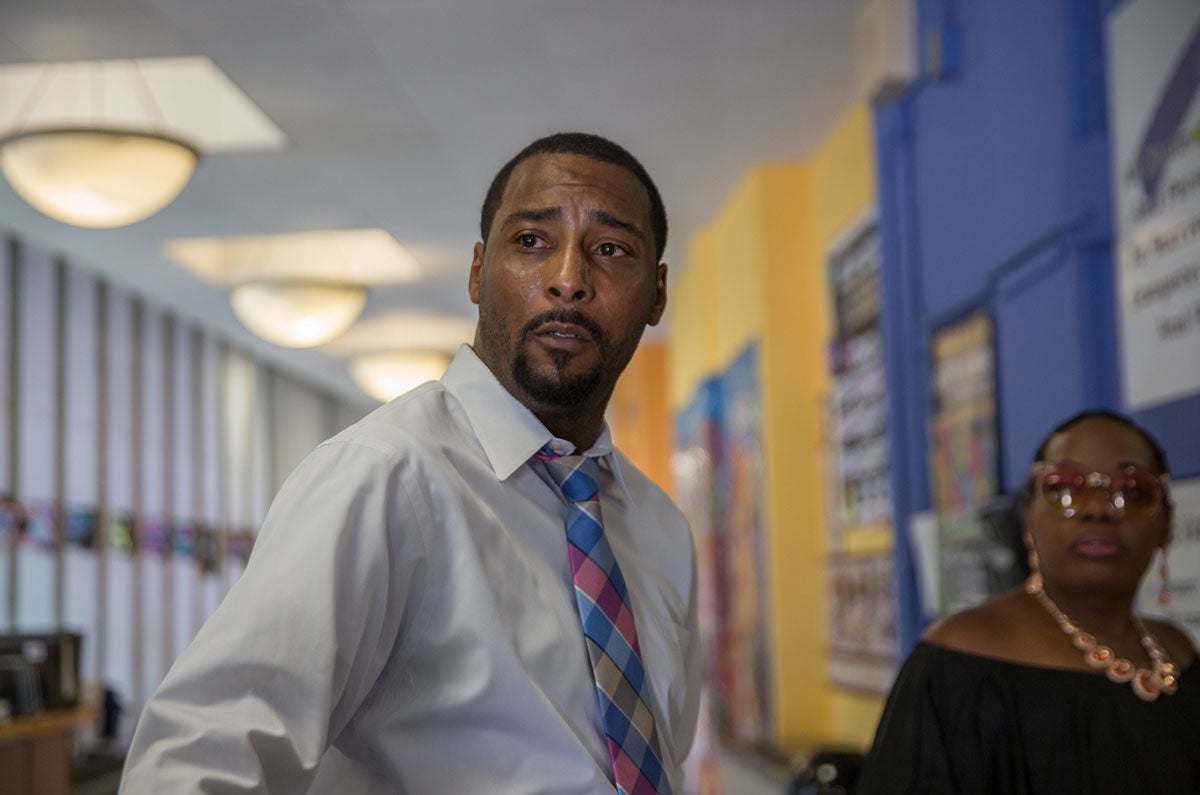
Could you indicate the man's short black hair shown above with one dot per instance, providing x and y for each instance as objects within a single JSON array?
[{"x": 587, "y": 145}]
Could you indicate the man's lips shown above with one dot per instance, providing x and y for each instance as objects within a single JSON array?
[{"x": 564, "y": 331}]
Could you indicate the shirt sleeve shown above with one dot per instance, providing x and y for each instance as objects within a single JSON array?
[{"x": 282, "y": 665}]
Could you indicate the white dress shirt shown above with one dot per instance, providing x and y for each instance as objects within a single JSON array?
[{"x": 407, "y": 621}]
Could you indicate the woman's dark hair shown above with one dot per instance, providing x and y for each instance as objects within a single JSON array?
[{"x": 1156, "y": 450}]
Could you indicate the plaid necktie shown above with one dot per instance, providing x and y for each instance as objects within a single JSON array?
[{"x": 603, "y": 602}]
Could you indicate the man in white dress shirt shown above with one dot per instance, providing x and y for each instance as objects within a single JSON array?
[{"x": 408, "y": 621}]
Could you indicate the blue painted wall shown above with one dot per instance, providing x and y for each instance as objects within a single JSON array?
[{"x": 994, "y": 191}]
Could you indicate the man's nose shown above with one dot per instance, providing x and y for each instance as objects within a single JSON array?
[{"x": 569, "y": 274}]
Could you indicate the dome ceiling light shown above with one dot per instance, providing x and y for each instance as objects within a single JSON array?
[
  {"x": 97, "y": 178},
  {"x": 297, "y": 289},
  {"x": 390, "y": 354},
  {"x": 95, "y": 173},
  {"x": 387, "y": 374},
  {"x": 297, "y": 314}
]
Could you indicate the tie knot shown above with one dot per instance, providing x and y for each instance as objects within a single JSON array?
[{"x": 576, "y": 475}]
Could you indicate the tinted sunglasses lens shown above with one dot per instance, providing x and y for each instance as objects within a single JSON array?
[
  {"x": 1063, "y": 487},
  {"x": 1136, "y": 491}
]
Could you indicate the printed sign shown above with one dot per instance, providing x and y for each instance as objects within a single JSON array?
[{"x": 1154, "y": 90}]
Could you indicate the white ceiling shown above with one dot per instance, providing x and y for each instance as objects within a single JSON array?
[{"x": 398, "y": 113}]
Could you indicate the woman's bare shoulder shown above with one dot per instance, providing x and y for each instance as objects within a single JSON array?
[{"x": 985, "y": 629}]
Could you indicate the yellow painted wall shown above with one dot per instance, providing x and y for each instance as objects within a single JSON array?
[
  {"x": 844, "y": 183},
  {"x": 690, "y": 319},
  {"x": 638, "y": 414},
  {"x": 794, "y": 386},
  {"x": 757, "y": 272}
]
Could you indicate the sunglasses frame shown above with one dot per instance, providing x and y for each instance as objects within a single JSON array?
[{"x": 1095, "y": 481}]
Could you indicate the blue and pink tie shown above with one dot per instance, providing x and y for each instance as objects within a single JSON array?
[{"x": 608, "y": 626}]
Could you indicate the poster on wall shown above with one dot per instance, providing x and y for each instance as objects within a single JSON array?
[
  {"x": 693, "y": 470},
  {"x": 747, "y": 697},
  {"x": 862, "y": 641},
  {"x": 858, "y": 421},
  {"x": 1154, "y": 102},
  {"x": 963, "y": 459},
  {"x": 862, "y": 621},
  {"x": 1183, "y": 559}
]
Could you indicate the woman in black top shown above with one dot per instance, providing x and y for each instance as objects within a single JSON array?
[{"x": 1058, "y": 687}]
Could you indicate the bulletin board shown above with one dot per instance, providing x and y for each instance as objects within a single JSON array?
[
  {"x": 862, "y": 640},
  {"x": 963, "y": 457}
]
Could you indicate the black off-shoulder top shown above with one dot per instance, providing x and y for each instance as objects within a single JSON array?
[{"x": 969, "y": 725}]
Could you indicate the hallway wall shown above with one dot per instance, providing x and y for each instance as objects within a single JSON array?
[
  {"x": 145, "y": 451},
  {"x": 995, "y": 196},
  {"x": 757, "y": 274}
]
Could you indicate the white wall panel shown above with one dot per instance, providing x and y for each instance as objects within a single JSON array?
[
  {"x": 80, "y": 476},
  {"x": 118, "y": 662},
  {"x": 154, "y": 622},
  {"x": 180, "y": 592},
  {"x": 159, "y": 423},
  {"x": 211, "y": 491},
  {"x": 207, "y": 455},
  {"x": 185, "y": 586},
  {"x": 154, "y": 498},
  {"x": 80, "y": 391},
  {"x": 153, "y": 431},
  {"x": 183, "y": 378},
  {"x": 7, "y": 343},
  {"x": 263, "y": 479},
  {"x": 36, "y": 391},
  {"x": 300, "y": 424},
  {"x": 119, "y": 613},
  {"x": 37, "y": 439},
  {"x": 239, "y": 394}
]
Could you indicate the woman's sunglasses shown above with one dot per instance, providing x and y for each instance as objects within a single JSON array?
[{"x": 1129, "y": 492}]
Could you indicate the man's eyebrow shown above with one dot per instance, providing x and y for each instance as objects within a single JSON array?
[
  {"x": 602, "y": 217},
  {"x": 599, "y": 216},
  {"x": 542, "y": 214}
]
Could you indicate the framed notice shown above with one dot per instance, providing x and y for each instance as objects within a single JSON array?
[
  {"x": 963, "y": 457},
  {"x": 860, "y": 587},
  {"x": 858, "y": 411},
  {"x": 1154, "y": 100},
  {"x": 862, "y": 621}
]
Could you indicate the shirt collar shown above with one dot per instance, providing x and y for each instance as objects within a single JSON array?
[{"x": 508, "y": 431}]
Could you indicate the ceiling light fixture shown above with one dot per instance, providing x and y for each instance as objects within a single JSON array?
[
  {"x": 96, "y": 178},
  {"x": 96, "y": 175},
  {"x": 386, "y": 374},
  {"x": 297, "y": 314}
]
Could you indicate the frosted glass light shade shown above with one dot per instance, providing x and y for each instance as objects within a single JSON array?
[
  {"x": 386, "y": 374},
  {"x": 96, "y": 178},
  {"x": 297, "y": 314}
]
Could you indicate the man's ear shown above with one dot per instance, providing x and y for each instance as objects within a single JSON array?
[
  {"x": 660, "y": 295},
  {"x": 476, "y": 268}
]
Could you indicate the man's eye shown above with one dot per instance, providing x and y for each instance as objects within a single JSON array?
[
  {"x": 609, "y": 249},
  {"x": 528, "y": 240}
]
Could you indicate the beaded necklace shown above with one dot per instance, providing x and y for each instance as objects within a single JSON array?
[{"x": 1147, "y": 683}]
